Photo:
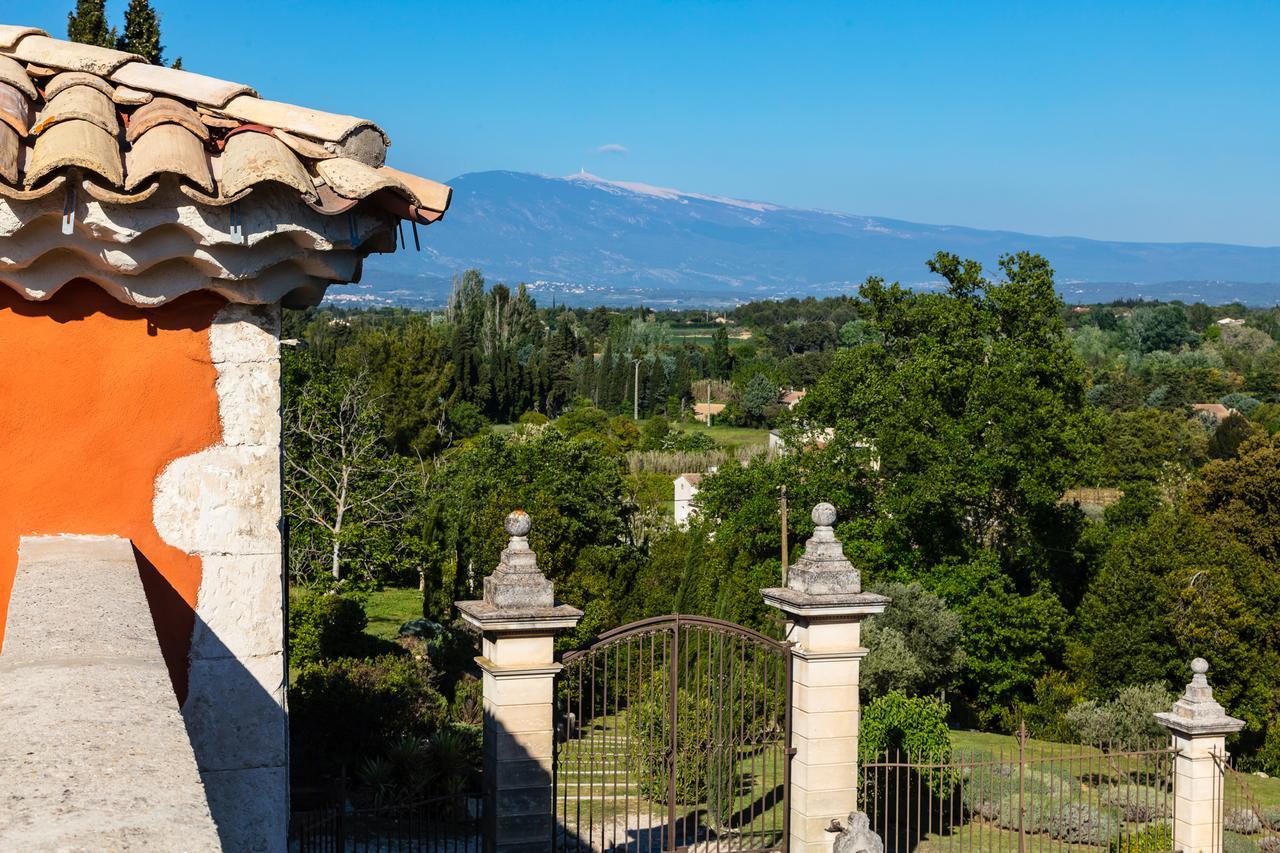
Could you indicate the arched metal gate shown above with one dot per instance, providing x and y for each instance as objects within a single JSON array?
[{"x": 674, "y": 733}]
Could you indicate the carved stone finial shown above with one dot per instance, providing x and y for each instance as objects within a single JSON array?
[
  {"x": 1196, "y": 711},
  {"x": 857, "y": 837},
  {"x": 824, "y": 569},
  {"x": 517, "y": 582}
]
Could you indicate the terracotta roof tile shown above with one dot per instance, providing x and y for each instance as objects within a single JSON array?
[
  {"x": 58, "y": 82},
  {"x": 67, "y": 79},
  {"x": 168, "y": 149},
  {"x": 165, "y": 111},
  {"x": 69, "y": 56},
  {"x": 155, "y": 182},
  {"x": 78, "y": 102},
  {"x": 15, "y": 75},
  {"x": 15, "y": 109},
  {"x": 197, "y": 88},
  {"x": 75, "y": 143},
  {"x": 11, "y": 34},
  {"x": 251, "y": 158}
]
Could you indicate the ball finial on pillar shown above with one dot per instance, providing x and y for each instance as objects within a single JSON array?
[
  {"x": 824, "y": 515},
  {"x": 518, "y": 523}
]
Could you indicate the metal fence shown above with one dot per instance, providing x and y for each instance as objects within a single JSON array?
[
  {"x": 1248, "y": 826},
  {"x": 447, "y": 824},
  {"x": 673, "y": 733},
  {"x": 1022, "y": 796}
]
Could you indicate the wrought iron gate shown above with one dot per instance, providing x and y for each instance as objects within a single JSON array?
[{"x": 674, "y": 733}]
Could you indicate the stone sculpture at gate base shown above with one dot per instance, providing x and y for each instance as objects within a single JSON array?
[{"x": 857, "y": 837}]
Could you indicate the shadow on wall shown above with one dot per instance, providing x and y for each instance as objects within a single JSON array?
[{"x": 237, "y": 728}]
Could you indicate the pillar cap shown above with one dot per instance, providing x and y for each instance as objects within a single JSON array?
[
  {"x": 824, "y": 569},
  {"x": 833, "y": 606},
  {"x": 518, "y": 598},
  {"x": 1197, "y": 713}
]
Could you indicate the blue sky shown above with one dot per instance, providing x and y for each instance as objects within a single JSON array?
[{"x": 1127, "y": 121}]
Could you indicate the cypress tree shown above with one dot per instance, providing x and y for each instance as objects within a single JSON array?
[
  {"x": 88, "y": 24},
  {"x": 142, "y": 32}
]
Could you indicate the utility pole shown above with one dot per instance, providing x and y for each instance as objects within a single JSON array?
[
  {"x": 708, "y": 403},
  {"x": 636, "y": 414},
  {"x": 784, "y": 535}
]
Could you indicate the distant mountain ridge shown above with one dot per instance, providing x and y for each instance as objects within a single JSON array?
[{"x": 591, "y": 240}]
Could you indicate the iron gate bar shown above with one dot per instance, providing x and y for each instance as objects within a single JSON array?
[{"x": 728, "y": 689}]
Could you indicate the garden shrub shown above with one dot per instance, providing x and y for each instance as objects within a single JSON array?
[
  {"x": 1235, "y": 843},
  {"x": 323, "y": 626},
  {"x": 1137, "y": 803},
  {"x": 1157, "y": 838},
  {"x": 1128, "y": 721},
  {"x": 1270, "y": 844},
  {"x": 913, "y": 725},
  {"x": 1080, "y": 823},
  {"x": 651, "y": 729},
  {"x": 345, "y": 711},
  {"x": 1243, "y": 821},
  {"x": 1270, "y": 818}
]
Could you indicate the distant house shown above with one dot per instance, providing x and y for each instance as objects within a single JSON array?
[
  {"x": 1230, "y": 321},
  {"x": 813, "y": 438},
  {"x": 792, "y": 398},
  {"x": 1215, "y": 411},
  {"x": 705, "y": 411},
  {"x": 686, "y": 490}
]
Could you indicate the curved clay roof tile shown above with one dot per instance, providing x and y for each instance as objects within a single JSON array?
[
  {"x": 252, "y": 158},
  {"x": 70, "y": 56},
  {"x": 351, "y": 179},
  {"x": 15, "y": 75},
  {"x": 428, "y": 194},
  {"x": 83, "y": 103},
  {"x": 165, "y": 111},
  {"x": 11, "y": 34},
  {"x": 349, "y": 136},
  {"x": 15, "y": 109},
  {"x": 75, "y": 143},
  {"x": 67, "y": 79},
  {"x": 196, "y": 88},
  {"x": 168, "y": 149},
  {"x": 126, "y": 96},
  {"x": 9, "y": 145}
]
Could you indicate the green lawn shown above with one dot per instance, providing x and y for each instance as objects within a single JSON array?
[
  {"x": 725, "y": 435},
  {"x": 388, "y": 609}
]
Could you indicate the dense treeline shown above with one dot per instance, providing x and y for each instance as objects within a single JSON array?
[{"x": 1063, "y": 501}]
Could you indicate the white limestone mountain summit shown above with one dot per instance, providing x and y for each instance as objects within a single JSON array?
[{"x": 619, "y": 241}]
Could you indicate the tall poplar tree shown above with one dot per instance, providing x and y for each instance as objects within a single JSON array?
[{"x": 142, "y": 32}]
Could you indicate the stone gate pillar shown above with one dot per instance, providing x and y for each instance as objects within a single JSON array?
[
  {"x": 518, "y": 620},
  {"x": 1199, "y": 726},
  {"x": 824, "y": 606}
]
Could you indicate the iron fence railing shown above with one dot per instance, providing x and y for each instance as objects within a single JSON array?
[
  {"x": 445, "y": 824},
  {"x": 1022, "y": 795},
  {"x": 673, "y": 733},
  {"x": 1248, "y": 825}
]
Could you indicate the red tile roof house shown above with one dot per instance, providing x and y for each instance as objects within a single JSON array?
[{"x": 153, "y": 222}]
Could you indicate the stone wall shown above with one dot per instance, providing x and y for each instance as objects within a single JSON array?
[{"x": 223, "y": 505}]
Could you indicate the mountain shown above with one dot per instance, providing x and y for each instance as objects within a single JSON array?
[{"x": 583, "y": 239}]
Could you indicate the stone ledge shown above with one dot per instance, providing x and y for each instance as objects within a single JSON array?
[
  {"x": 488, "y": 617},
  {"x": 830, "y": 605},
  {"x": 93, "y": 751}
]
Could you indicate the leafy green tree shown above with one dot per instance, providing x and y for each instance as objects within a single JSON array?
[
  {"x": 760, "y": 394},
  {"x": 914, "y": 646},
  {"x": 87, "y": 24},
  {"x": 1242, "y": 496},
  {"x": 1231, "y": 433},
  {"x": 1164, "y": 327},
  {"x": 720, "y": 362},
  {"x": 975, "y": 403}
]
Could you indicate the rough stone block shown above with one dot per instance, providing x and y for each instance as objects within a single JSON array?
[
  {"x": 245, "y": 333},
  {"x": 235, "y": 713},
  {"x": 240, "y": 607},
  {"x": 249, "y": 403},
  {"x": 224, "y": 500},
  {"x": 250, "y": 807}
]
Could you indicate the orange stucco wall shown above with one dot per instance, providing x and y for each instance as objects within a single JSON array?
[{"x": 96, "y": 399}]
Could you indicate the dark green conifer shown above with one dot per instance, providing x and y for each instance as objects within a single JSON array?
[
  {"x": 142, "y": 32},
  {"x": 88, "y": 24}
]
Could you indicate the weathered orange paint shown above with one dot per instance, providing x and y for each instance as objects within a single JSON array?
[{"x": 96, "y": 399}]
